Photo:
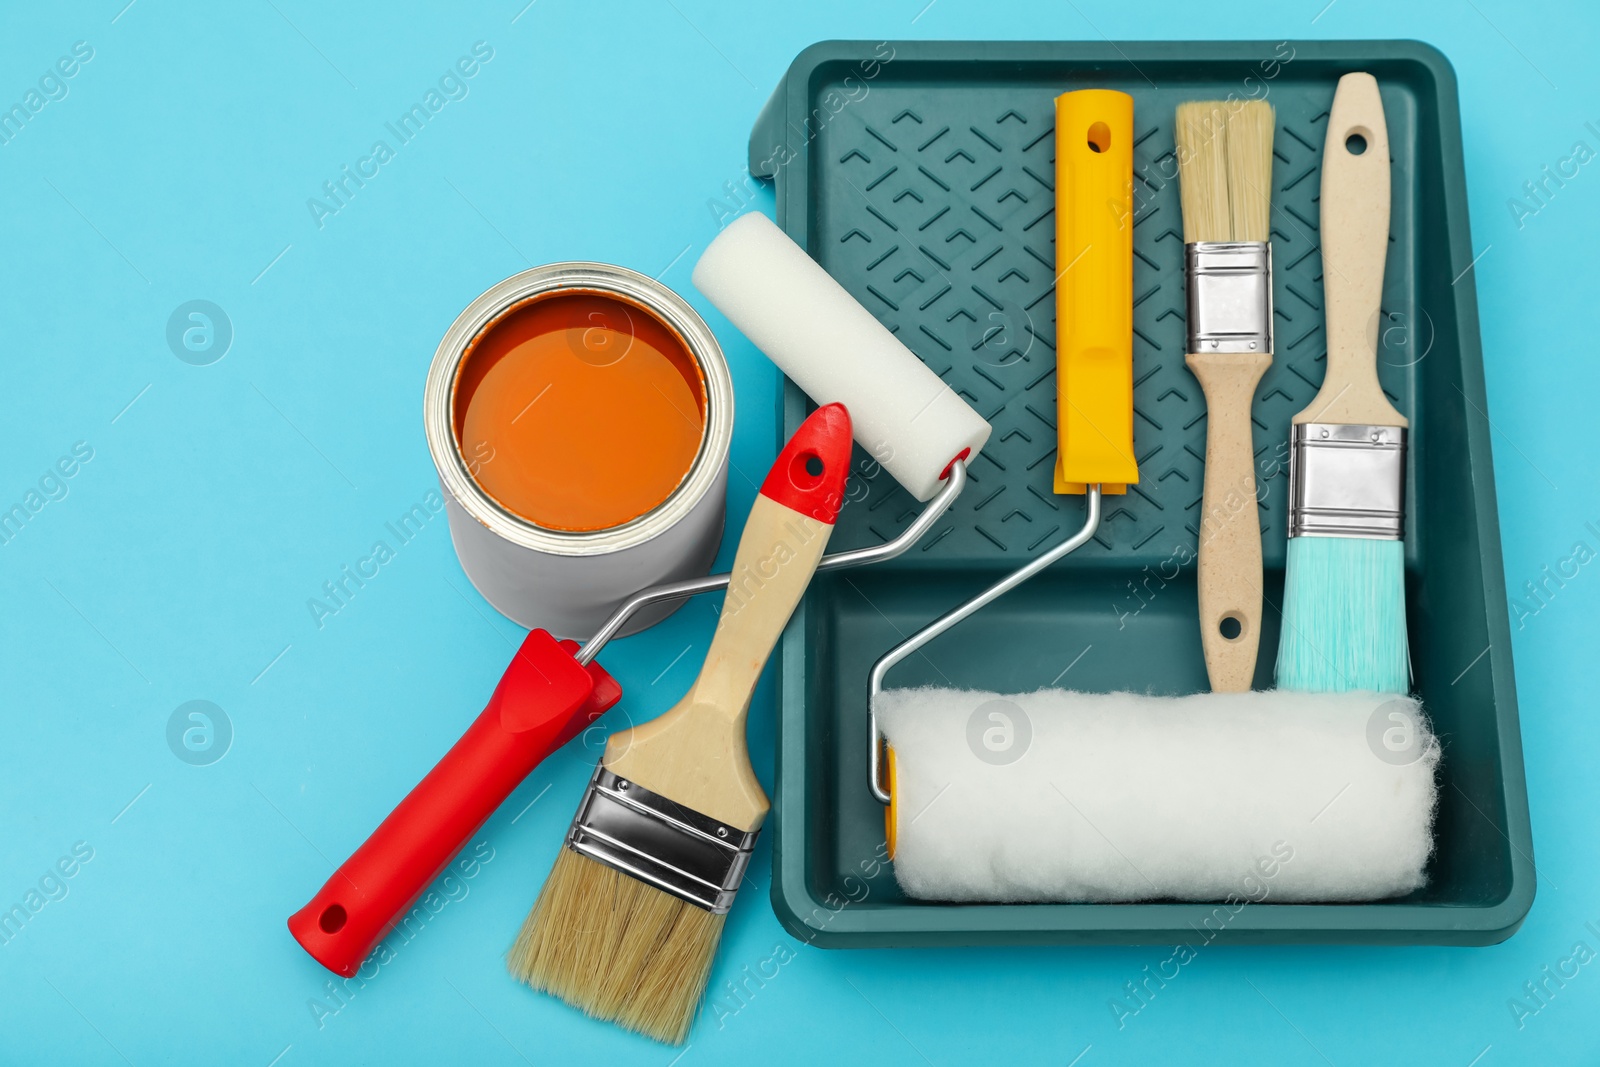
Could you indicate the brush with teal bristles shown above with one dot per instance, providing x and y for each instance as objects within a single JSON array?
[{"x": 1344, "y": 600}]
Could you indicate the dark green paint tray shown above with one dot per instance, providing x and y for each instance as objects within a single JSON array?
[{"x": 919, "y": 175}]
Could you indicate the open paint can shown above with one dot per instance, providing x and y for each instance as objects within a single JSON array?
[{"x": 579, "y": 416}]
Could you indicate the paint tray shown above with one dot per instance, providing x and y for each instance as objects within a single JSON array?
[{"x": 920, "y": 176}]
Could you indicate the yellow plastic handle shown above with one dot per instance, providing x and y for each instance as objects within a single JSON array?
[{"x": 1094, "y": 291}]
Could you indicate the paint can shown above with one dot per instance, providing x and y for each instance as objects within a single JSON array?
[{"x": 553, "y": 573}]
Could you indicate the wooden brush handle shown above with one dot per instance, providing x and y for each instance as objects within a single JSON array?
[
  {"x": 1230, "y": 525},
  {"x": 695, "y": 754},
  {"x": 778, "y": 552},
  {"x": 1355, "y": 243}
]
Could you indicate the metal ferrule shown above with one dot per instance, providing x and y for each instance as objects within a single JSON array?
[
  {"x": 676, "y": 849},
  {"x": 1347, "y": 481},
  {"x": 1229, "y": 296}
]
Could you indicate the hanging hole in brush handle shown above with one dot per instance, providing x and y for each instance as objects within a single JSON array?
[
  {"x": 1355, "y": 245},
  {"x": 806, "y": 470},
  {"x": 809, "y": 474}
]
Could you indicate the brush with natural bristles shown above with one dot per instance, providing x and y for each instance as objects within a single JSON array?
[
  {"x": 1344, "y": 599},
  {"x": 628, "y": 923},
  {"x": 1225, "y": 173}
]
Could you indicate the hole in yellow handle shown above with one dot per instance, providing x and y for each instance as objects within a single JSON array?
[{"x": 1100, "y": 137}]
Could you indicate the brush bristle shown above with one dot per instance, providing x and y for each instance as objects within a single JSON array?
[
  {"x": 617, "y": 948},
  {"x": 1344, "y": 616},
  {"x": 1225, "y": 169},
  {"x": 1203, "y": 170},
  {"x": 1250, "y": 170}
]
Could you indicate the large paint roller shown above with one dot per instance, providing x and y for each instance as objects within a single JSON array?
[{"x": 1118, "y": 797}]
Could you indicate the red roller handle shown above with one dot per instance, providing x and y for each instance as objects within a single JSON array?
[{"x": 544, "y": 699}]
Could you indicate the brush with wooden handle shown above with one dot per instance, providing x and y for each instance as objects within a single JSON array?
[
  {"x": 1225, "y": 174},
  {"x": 628, "y": 922},
  {"x": 1344, "y": 596}
]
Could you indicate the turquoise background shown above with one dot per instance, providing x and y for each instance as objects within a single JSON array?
[{"x": 175, "y": 564}]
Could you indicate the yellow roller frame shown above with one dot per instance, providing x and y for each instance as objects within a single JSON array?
[{"x": 1094, "y": 312}]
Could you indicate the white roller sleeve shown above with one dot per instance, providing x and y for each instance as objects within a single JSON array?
[
  {"x": 1268, "y": 797},
  {"x": 904, "y": 415}
]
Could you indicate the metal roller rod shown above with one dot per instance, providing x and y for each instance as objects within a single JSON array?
[
  {"x": 944, "y": 622},
  {"x": 955, "y": 480}
]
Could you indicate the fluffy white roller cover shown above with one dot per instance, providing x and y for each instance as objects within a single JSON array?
[
  {"x": 1062, "y": 796},
  {"x": 904, "y": 415}
]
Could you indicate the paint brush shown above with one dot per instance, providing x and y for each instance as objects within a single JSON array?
[
  {"x": 629, "y": 920},
  {"x": 1225, "y": 167},
  {"x": 1344, "y": 598}
]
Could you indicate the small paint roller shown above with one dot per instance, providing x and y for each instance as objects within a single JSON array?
[
  {"x": 1123, "y": 797},
  {"x": 904, "y": 414}
]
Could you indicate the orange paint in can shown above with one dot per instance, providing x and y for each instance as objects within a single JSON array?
[{"x": 579, "y": 410}]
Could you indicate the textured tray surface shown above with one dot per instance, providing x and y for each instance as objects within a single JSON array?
[
  {"x": 935, "y": 208},
  {"x": 929, "y": 197}
]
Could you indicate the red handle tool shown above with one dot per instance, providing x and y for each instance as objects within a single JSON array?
[{"x": 544, "y": 699}]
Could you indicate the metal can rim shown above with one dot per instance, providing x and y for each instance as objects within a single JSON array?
[{"x": 630, "y": 285}]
